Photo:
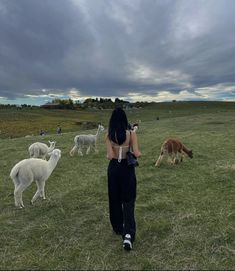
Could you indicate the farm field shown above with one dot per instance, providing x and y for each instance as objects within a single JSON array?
[
  {"x": 29, "y": 121},
  {"x": 184, "y": 213}
]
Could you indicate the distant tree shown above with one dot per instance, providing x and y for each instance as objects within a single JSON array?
[
  {"x": 25, "y": 105},
  {"x": 70, "y": 104},
  {"x": 56, "y": 101},
  {"x": 65, "y": 103},
  {"x": 117, "y": 100}
]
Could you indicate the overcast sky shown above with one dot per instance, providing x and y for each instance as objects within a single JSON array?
[{"x": 149, "y": 50}]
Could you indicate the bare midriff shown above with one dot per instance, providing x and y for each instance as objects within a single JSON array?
[{"x": 121, "y": 150}]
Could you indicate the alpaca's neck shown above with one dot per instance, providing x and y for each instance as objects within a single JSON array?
[
  {"x": 97, "y": 133},
  {"x": 51, "y": 148},
  {"x": 186, "y": 150},
  {"x": 52, "y": 162}
]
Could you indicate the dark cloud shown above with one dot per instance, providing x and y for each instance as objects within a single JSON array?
[{"x": 112, "y": 48}]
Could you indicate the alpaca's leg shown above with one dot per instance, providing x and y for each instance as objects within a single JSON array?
[
  {"x": 42, "y": 189},
  {"x": 176, "y": 158},
  {"x": 36, "y": 195},
  {"x": 18, "y": 193},
  {"x": 72, "y": 151},
  {"x": 17, "y": 204},
  {"x": 171, "y": 158},
  {"x": 80, "y": 151},
  {"x": 38, "y": 192},
  {"x": 95, "y": 148},
  {"x": 180, "y": 157},
  {"x": 158, "y": 162},
  {"x": 16, "y": 184},
  {"x": 88, "y": 150}
]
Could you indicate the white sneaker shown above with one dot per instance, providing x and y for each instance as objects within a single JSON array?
[{"x": 127, "y": 244}]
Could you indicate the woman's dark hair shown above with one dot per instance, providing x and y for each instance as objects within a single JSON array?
[{"x": 118, "y": 125}]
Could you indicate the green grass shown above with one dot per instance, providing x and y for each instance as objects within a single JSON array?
[
  {"x": 27, "y": 121},
  {"x": 184, "y": 213},
  {"x": 18, "y": 123}
]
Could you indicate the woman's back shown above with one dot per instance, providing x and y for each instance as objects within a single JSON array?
[{"x": 119, "y": 151}]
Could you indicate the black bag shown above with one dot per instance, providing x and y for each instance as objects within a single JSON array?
[{"x": 131, "y": 159}]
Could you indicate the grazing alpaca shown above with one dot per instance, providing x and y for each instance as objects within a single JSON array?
[
  {"x": 175, "y": 149},
  {"x": 32, "y": 169},
  {"x": 86, "y": 141},
  {"x": 41, "y": 150}
]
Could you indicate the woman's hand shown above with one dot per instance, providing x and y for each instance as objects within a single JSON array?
[{"x": 137, "y": 154}]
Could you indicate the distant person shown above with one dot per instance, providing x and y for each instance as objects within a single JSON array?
[
  {"x": 42, "y": 133},
  {"x": 59, "y": 130},
  {"x": 121, "y": 177}
]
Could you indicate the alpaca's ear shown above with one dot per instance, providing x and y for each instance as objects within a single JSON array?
[{"x": 49, "y": 141}]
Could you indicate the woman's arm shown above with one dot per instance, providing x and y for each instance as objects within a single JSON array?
[
  {"x": 134, "y": 144},
  {"x": 110, "y": 153}
]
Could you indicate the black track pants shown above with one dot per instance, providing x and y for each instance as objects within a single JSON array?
[{"x": 122, "y": 195}]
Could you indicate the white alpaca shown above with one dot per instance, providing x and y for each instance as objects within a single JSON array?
[
  {"x": 86, "y": 141},
  {"x": 41, "y": 150},
  {"x": 33, "y": 169}
]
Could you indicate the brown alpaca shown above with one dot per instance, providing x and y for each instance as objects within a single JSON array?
[{"x": 175, "y": 149}]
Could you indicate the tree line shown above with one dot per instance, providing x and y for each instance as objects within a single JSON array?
[{"x": 97, "y": 103}]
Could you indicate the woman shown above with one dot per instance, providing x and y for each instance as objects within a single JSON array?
[{"x": 121, "y": 178}]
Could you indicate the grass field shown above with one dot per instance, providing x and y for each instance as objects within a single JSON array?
[{"x": 184, "y": 213}]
